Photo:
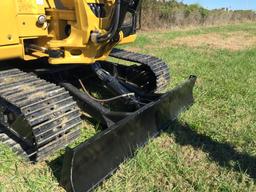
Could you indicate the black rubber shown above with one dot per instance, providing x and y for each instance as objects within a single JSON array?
[
  {"x": 159, "y": 68},
  {"x": 37, "y": 117}
]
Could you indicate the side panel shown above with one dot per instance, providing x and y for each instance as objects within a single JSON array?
[
  {"x": 27, "y": 26},
  {"x": 19, "y": 20},
  {"x": 28, "y": 12},
  {"x": 9, "y": 30},
  {"x": 11, "y": 51}
]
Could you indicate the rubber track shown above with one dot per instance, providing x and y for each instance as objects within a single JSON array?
[
  {"x": 49, "y": 110},
  {"x": 157, "y": 66}
]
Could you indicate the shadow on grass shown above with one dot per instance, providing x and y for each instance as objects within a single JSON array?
[
  {"x": 222, "y": 153},
  {"x": 56, "y": 167}
]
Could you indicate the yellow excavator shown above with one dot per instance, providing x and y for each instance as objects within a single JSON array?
[{"x": 55, "y": 72}]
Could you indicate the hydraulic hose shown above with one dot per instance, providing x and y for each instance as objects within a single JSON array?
[{"x": 113, "y": 29}]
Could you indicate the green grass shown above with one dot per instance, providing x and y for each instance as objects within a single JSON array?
[
  {"x": 145, "y": 37},
  {"x": 211, "y": 148}
]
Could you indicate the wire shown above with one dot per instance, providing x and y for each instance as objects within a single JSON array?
[{"x": 104, "y": 100}]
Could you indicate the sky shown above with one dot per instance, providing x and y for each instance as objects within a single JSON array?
[{"x": 231, "y": 4}]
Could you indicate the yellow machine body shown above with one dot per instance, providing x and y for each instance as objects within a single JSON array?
[{"x": 20, "y": 27}]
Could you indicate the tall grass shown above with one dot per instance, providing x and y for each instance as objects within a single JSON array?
[{"x": 171, "y": 14}]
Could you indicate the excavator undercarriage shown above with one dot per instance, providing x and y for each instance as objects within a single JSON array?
[
  {"x": 41, "y": 112},
  {"x": 55, "y": 72}
]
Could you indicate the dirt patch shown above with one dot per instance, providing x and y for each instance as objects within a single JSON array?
[
  {"x": 232, "y": 41},
  {"x": 39, "y": 94},
  {"x": 134, "y": 49}
]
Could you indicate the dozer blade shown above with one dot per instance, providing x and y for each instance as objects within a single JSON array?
[{"x": 87, "y": 165}]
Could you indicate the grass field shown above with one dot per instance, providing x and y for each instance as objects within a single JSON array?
[{"x": 211, "y": 148}]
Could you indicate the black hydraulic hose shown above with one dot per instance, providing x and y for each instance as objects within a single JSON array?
[{"x": 113, "y": 29}]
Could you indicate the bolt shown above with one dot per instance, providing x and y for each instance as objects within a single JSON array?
[
  {"x": 9, "y": 37},
  {"x": 41, "y": 19}
]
